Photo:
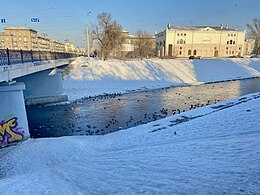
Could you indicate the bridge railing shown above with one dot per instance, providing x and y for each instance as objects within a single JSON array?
[{"x": 11, "y": 57}]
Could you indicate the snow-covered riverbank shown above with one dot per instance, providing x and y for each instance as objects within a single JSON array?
[
  {"x": 210, "y": 150},
  {"x": 95, "y": 77}
]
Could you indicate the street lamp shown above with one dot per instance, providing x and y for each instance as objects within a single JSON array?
[{"x": 87, "y": 33}]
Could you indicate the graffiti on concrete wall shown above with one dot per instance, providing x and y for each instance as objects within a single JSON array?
[{"x": 10, "y": 131}]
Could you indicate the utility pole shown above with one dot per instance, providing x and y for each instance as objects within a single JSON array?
[{"x": 87, "y": 38}]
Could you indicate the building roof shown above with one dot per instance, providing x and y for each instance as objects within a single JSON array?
[
  {"x": 223, "y": 28},
  {"x": 19, "y": 28}
]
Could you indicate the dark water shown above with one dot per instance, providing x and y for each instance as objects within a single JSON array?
[{"x": 104, "y": 114}]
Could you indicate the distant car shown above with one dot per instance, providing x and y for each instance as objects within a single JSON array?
[
  {"x": 255, "y": 56},
  {"x": 195, "y": 57}
]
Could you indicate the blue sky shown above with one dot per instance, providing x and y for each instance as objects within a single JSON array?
[{"x": 65, "y": 19}]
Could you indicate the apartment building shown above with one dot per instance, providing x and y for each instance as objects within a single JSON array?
[
  {"x": 204, "y": 41},
  {"x": 70, "y": 48},
  {"x": 21, "y": 38},
  {"x": 17, "y": 38},
  {"x": 56, "y": 46},
  {"x": 43, "y": 43}
]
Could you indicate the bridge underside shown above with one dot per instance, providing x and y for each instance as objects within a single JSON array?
[
  {"x": 31, "y": 84},
  {"x": 43, "y": 87}
]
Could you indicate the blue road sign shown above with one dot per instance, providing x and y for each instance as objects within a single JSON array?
[
  {"x": 35, "y": 19},
  {"x": 3, "y": 20}
]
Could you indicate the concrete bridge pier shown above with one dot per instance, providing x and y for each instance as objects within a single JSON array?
[
  {"x": 13, "y": 118},
  {"x": 43, "y": 87}
]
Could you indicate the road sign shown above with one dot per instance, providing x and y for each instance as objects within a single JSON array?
[
  {"x": 3, "y": 20},
  {"x": 34, "y": 20}
]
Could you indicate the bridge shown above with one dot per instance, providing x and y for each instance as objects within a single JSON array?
[{"x": 27, "y": 77}]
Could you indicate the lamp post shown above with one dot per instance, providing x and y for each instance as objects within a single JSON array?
[{"x": 87, "y": 33}]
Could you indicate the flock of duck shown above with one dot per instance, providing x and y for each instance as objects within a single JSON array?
[{"x": 117, "y": 122}]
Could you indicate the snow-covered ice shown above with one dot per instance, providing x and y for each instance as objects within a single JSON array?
[
  {"x": 216, "y": 150},
  {"x": 96, "y": 77}
]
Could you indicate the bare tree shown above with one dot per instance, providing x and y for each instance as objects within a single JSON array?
[
  {"x": 143, "y": 44},
  {"x": 108, "y": 34},
  {"x": 255, "y": 33}
]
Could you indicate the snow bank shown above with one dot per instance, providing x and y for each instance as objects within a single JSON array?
[
  {"x": 215, "y": 150},
  {"x": 95, "y": 77}
]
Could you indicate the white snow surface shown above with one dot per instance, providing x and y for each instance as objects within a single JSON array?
[
  {"x": 216, "y": 152},
  {"x": 96, "y": 77}
]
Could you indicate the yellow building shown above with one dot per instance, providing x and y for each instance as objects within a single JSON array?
[
  {"x": 129, "y": 45},
  {"x": 70, "y": 48},
  {"x": 249, "y": 46},
  {"x": 204, "y": 41},
  {"x": 56, "y": 46},
  {"x": 21, "y": 38},
  {"x": 43, "y": 43},
  {"x": 16, "y": 38}
]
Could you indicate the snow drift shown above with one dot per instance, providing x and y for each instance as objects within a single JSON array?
[
  {"x": 215, "y": 152},
  {"x": 95, "y": 77}
]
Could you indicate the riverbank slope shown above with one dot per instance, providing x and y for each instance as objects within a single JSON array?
[
  {"x": 209, "y": 150},
  {"x": 95, "y": 77}
]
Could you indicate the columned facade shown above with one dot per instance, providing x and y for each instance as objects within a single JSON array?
[{"x": 204, "y": 41}]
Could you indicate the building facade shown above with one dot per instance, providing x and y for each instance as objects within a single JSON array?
[
  {"x": 56, "y": 46},
  {"x": 21, "y": 38},
  {"x": 43, "y": 43},
  {"x": 16, "y": 38},
  {"x": 204, "y": 41},
  {"x": 249, "y": 46},
  {"x": 129, "y": 45}
]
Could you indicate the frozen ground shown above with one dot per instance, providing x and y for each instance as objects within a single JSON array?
[
  {"x": 216, "y": 150},
  {"x": 95, "y": 77}
]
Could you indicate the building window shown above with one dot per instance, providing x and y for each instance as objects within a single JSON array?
[
  {"x": 181, "y": 34},
  {"x": 195, "y": 52},
  {"x": 235, "y": 35},
  {"x": 184, "y": 34},
  {"x": 189, "y": 52},
  {"x": 226, "y": 48},
  {"x": 181, "y": 41},
  {"x": 226, "y": 52},
  {"x": 230, "y": 42},
  {"x": 178, "y": 34},
  {"x": 233, "y": 52},
  {"x": 227, "y": 42},
  {"x": 228, "y": 34},
  {"x": 234, "y": 42},
  {"x": 180, "y": 52},
  {"x": 180, "y": 47},
  {"x": 231, "y": 35},
  {"x": 239, "y": 48}
]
